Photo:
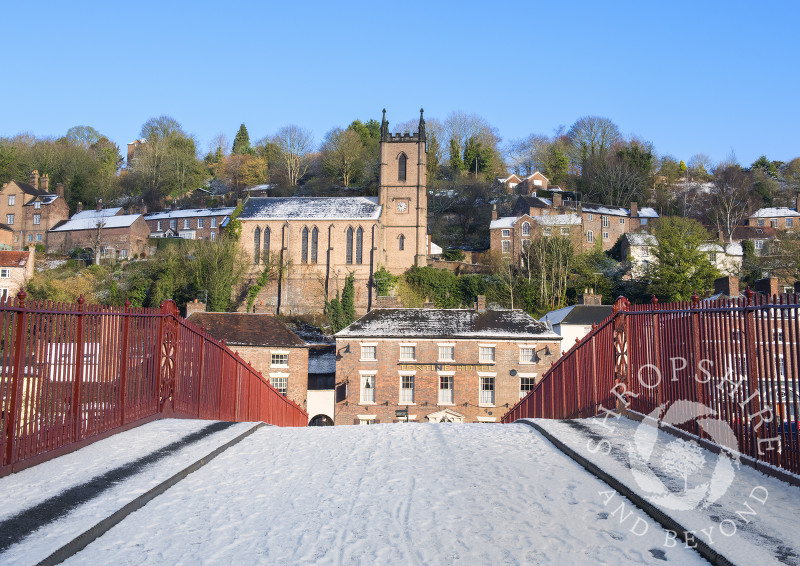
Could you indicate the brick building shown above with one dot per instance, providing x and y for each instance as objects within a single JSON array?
[
  {"x": 192, "y": 224},
  {"x": 510, "y": 235},
  {"x": 265, "y": 343},
  {"x": 30, "y": 210},
  {"x": 779, "y": 218},
  {"x": 6, "y": 237},
  {"x": 118, "y": 236},
  {"x": 319, "y": 241},
  {"x": 15, "y": 270},
  {"x": 439, "y": 364}
]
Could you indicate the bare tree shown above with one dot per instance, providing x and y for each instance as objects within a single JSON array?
[
  {"x": 730, "y": 198},
  {"x": 96, "y": 238},
  {"x": 342, "y": 154},
  {"x": 592, "y": 136},
  {"x": 613, "y": 181},
  {"x": 294, "y": 144},
  {"x": 527, "y": 155},
  {"x": 460, "y": 127}
]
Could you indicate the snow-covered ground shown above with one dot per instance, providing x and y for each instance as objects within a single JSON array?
[
  {"x": 747, "y": 516},
  {"x": 385, "y": 494}
]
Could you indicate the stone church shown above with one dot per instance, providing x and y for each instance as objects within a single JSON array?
[{"x": 318, "y": 241}]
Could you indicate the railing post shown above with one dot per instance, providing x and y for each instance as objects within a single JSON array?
[
  {"x": 16, "y": 377},
  {"x": 78, "y": 377},
  {"x": 657, "y": 349},
  {"x": 223, "y": 357},
  {"x": 123, "y": 371},
  {"x": 694, "y": 330},
  {"x": 752, "y": 368},
  {"x": 621, "y": 365},
  {"x": 202, "y": 368}
]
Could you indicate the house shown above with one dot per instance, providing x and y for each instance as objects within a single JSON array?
[
  {"x": 762, "y": 238},
  {"x": 574, "y": 322},
  {"x": 726, "y": 257},
  {"x": 508, "y": 183},
  {"x": 16, "y": 268},
  {"x": 321, "y": 384},
  {"x": 6, "y": 237},
  {"x": 265, "y": 343},
  {"x": 437, "y": 365},
  {"x": 532, "y": 183},
  {"x": 191, "y": 224},
  {"x": 106, "y": 232},
  {"x": 318, "y": 242},
  {"x": 30, "y": 210},
  {"x": 779, "y": 218}
]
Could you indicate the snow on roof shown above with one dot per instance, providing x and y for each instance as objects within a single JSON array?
[
  {"x": 447, "y": 323},
  {"x": 323, "y": 362},
  {"x": 578, "y": 314},
  {"x": 607, "y": 210},
  {"x": 641, "y": 239},
  {"x": 711, "y": 247},
  {"x": 648, "y": 212},
  {"x": 44, "y": 199},
  {"x": 190, "y": 213},
  {"x": 91, "y": 223},
  {"x": 503, "y": 222},
  {"x": 558, "y": 219},
  {"x": 311, "y": 208},
  {"x": 435, "y": 250},
  {"x": 774, "y": 212},
  {"x": 734, "y": 249},
  {"x": 85, "y": 214},
  {"x": 716, "y": 247}
]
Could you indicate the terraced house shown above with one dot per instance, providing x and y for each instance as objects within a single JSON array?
[{"x": 29, "y": 210}]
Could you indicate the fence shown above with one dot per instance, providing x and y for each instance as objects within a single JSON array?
[
  {"x": 74, "y": 373},
  {"x": 737, "y": 360}
]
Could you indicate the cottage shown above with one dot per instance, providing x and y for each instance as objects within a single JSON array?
[
  {"x": 191, "y": 224},
  {"x": 30, "y": 210},
  {"x": 779, "y": 218},
  {"x": 438, "y": 364},
  {"x": 16, "y": 268},
  {"x": 575, "y": 321},
  {"x": 107, "y": 232}
]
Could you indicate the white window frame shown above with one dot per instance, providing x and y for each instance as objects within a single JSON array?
[
  {"x": 37, "y": 204},
  {"x": 447, "y": 399},
  {"x": 605, "y": 222},
  {"x": 564, "y": 231},
  {"x": 280, "y": 381},
  {"x": 622, "y": 220},
  {"x": 5, "y": 273},
  {"x": 280, "y": 353},
  {"x": 526, "y": 228},
  {"x": 589, "y": 217},
  {"x": 12, "y": 200},
  {"x": 173, "y": 223},
  {"x": 484, "y": 349},
  {"x": 367, "y": 396},
  {"x": 522, "y": 376},
  {"x": 547, "y": 231},
  {"x": 374, "y": 350},
  {"x": 10, "y": 219},
  {"x": 402, "y": 398},
  {"x": 506, "y": 244},
  {"x": 590, "y": 236},
  {"x": 199, "y": 222},
  {"x": 213, "y": 222},
  {"x": 484, "y": 394},
  {"x": 789, "y": 222},
  {"x": 403, "y": 358},
  {"x": 452, "y": 347},
  {"x": 187, "y": 222},
  {"x": 760, "y": 222},
  {"x": 758, "y": 244},
  {"x": 605, "y": 235},
  {"x": 523, "y": 359},
  {"x": 213, "y": 236},
  {"x": 37, "y": 219},
  {"x": 38, "y": 237},
  {"x": 366, "y": 419},
  {"x": 158, "y": 226},
  {"x": 4, "y": 295},
  {"x": 505, "y": 233}
]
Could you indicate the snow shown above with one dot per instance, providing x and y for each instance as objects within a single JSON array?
[
  {"x": 608, "y": 211},
  {"x": 311, "y": 208},
  {"x": 645, "y": 240},
  {"x": 190, "y": 213},
  {"x": 435, "y": 250},
  {"x": 34, "y": 485},
  {"x": 84, "y": 214},
  {"x": 384, "y": 494},
  {"x": 558, "y": 220},
  {"x": 774, "y": 212},
  {"x": 503, "y": 222},
  {"x": 647, "y": 212},
  {"x": 767, "y": 537},
  {"x": 91, "y": 223}
]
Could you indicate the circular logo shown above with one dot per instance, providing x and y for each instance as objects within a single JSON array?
[{"x": 675, "y": 474}]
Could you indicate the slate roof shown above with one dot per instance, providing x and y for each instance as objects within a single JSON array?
[
  {"x": 85, "y": 214},
  {"x": 647, "y": 212},
  {"x": 503, "y": 222},
  {"x": 537, "y": 202},
  {"x": 558, "y": 220},
  {"x": 247, "y": 329},
  {"x": 30, "y": 189},
  {"x": 641, "y": 239},
  {"x": 753, "y": 233},
  {"x": 583, "y": 315},
  {"x": 91, "y": 223},
  {"x": 311, "y": 208},
  {"x": 322, "y": 359},
  {"x": 447, "y": 324},
  {"x": 6, "y": 227},
  {"x": 45, "y": 198},
  {"x": 190, "y": 213},
  {"x": 13, "y": 259}
]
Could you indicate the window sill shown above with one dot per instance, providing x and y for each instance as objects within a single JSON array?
[
  {"x": 406, "y": 404},
  {"x": 447, "y": 404},
  {"x": 366, "y": 403},
  {"x": 279, "y": 367},
  {"x": 489, "y": 405},
  {"x": 368, "y": 360},
  {"x": 407, "y": 361}
]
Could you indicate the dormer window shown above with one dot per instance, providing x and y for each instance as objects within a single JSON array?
[
  {"x": 37, "y": 204},
  {"x": 401, "y": 167}
]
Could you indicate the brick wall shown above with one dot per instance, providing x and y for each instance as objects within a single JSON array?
[
  {"x": 260, "y": 357},
  {"x": 466, "y": 371}
]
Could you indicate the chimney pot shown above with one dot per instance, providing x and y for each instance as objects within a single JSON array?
[
  {"x": 45, "y": 182},
  {"x": 35, "y": 178},
  {"x": 79, "y": 208},
  {"x": 99, "y": 204},
  {"x": 60, "y": 189},
  {"x": 494, "y": 212}
]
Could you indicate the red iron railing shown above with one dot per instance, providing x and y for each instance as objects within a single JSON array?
[
  {"x": 738, "y": 358},
  {"x": 73, "y": 373}
]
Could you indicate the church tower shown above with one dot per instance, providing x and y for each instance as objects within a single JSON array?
[{"x": 403, "y": 196}]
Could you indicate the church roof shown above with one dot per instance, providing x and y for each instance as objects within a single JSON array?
[
  {"x": 247, "y": 329},
  {"x": 311, "y": 208}
]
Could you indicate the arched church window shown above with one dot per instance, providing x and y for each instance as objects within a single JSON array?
[
  {"x": 401, "y": 245},
  {"x": 401, "y": 167},
  {"x": 256, "y": 245},
  {"x": 526, "y": 228},
  {"x": 359, "y": 245},
  {"x": 349, "y": 247},
  {"x": 314, "y": 240},
  {"x": 304, "y": 246},
  {"x": 265, "y": 255}
]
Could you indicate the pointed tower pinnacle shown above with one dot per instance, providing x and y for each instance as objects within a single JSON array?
[
  {"x": 421, "y": 125},
  {"x": 384, "y": 127}
]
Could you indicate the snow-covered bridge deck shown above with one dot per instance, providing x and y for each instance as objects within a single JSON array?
[{"x": 384, "y": 494}]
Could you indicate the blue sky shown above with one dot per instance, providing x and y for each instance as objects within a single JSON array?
[{"x": 690, "y": 77}]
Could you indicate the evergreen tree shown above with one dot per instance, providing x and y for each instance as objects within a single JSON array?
[
  {"x": 241, "y": 144},
  {"x": 348, "y": 301},
  {"x": 456, "y": 163}
]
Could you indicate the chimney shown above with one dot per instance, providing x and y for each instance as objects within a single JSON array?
[
  {"x": 589, "y": 298},
  {"x": 79, "y": 208},
  {"x": 35, "y": 178},
  {"x": 727, "y": 285},
  {"x": 387, "y": 302},
  {"x": 60, "y": 189},
  {"x": 557, "y": 202},
  {"x": 768, "y": 286},
  {"x": 238, "y": 202},
  {"x": 143, "y": 208},
  {"x": 99, "y": 204},
  {"x": 494, "y": 212},
  {"x": 195, "y": 306},
  {"x": 634, "y": 210},
  {"x": 45, "y": 182},
  {"x": 480, "y": 304}
]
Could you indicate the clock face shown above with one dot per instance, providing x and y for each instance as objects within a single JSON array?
[{"x": 402, "y": 206}]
